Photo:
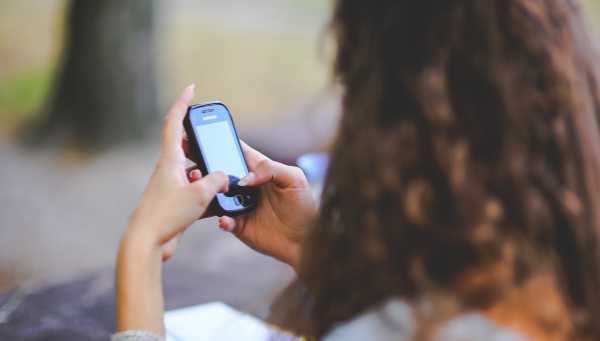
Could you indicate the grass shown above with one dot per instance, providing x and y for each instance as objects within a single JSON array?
[{"x": 21, "y": 94}]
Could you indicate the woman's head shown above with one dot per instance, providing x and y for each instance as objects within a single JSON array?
[{"x": 466, "y": 160}]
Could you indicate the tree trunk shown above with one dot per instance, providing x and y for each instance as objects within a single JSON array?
[{"x": 105, "y": 92}]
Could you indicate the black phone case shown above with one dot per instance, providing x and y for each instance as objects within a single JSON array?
[{"x": 215, "y": 208}]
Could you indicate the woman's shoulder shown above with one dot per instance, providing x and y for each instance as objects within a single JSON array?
[{"x": 394, "y": 320}]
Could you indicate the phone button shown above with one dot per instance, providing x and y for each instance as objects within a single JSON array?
[{"x": 239, "y": 200}]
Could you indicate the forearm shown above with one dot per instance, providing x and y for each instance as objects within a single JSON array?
[{"x": 140, "y": 303}]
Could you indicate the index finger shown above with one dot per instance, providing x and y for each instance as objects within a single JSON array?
[{"x": 173, "y": 128}]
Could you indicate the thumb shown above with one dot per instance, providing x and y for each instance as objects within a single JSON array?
[
  {"x": 281, "y": 175},
  {"x": 206, "y": 188}
]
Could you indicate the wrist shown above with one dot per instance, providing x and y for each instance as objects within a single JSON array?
[
  {"x": 136, "y": 254},
  {"x": 139, "y": 239},
  {"x": 144, "y": 227},
  {"x": 291, "y": 256}
]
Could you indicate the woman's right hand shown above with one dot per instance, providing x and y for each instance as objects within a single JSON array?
[{"x": 284, "y": 213}]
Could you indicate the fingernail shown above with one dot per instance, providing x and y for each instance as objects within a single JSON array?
[
  {"x": 189, "y": 91},
  {"x": 195, "y": 173},
  {"x": 246, "y": 180},
  {"x": 226, "y": 228},
  {"x": 226, "y": 181}
]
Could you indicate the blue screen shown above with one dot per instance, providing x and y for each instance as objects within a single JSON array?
[{"x": 220, "y": 149}]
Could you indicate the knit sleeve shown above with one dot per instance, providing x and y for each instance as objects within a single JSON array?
[{"x": 136, "y": 335}]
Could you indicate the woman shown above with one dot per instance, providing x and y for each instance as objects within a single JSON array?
[{"x": 460, "y": 200}]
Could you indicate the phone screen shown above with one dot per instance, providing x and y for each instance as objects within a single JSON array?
[
  {"x": 219, "y": 146},
  {"x": 220, "y": 149}
]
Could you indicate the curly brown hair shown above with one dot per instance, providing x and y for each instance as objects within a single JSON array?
[{"x": 468, "y": 143}]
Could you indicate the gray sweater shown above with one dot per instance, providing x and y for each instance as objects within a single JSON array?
[{"x": 392, "y": 321}]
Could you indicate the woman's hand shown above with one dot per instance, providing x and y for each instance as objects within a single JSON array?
[
  {"x": 285, "y": 211},
  {"x": 172, "y": 201}
]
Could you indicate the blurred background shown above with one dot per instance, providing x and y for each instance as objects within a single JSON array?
[{"x": 83, "y": 87}]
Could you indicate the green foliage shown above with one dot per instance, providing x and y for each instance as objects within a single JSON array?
[
  {"x": 21, "y": 94},
  {"x": 592, "y": 9}
]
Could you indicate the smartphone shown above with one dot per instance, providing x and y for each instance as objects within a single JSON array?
[{"x": 214, "y": 140}]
